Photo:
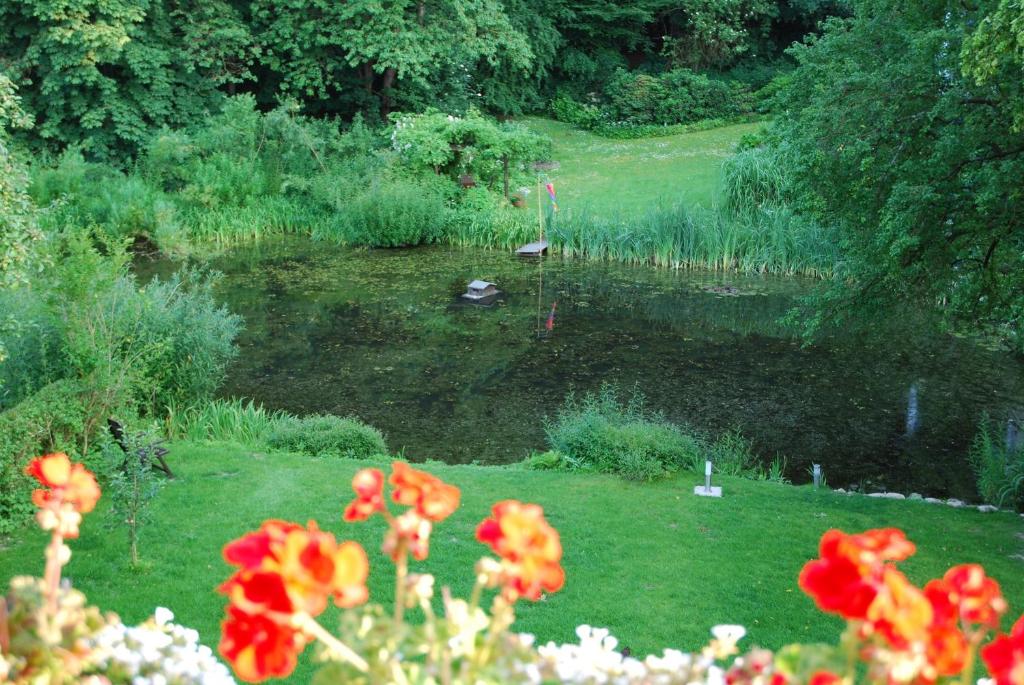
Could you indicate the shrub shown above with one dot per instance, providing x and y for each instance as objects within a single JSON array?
[
  {"x": 605, "y": 434},
  {"x": 551, "y": 460},
  {"x": 676, "y": 97},
  {"x": 324, "y": 434},
  {"x": 579, "y": 114},
  {"x": 395, "y": 213},
  {"x": 63, "y": 416},
  {"x": 733, "y": 455}
]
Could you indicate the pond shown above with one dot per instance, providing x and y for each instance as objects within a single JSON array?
[{"x": 383, "y": 335}]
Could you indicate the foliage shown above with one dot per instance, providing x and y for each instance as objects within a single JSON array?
[
  {"x": 732, "y": 454},
  {"x": 601, "y": 432},
  {"x": 63, "y": 416},
  {"x": 472, "y": 144},
  {"x": 997, "y": 470},
  {"x": 395, "y": 213},
  {"x": 234, "y": 420},
  {"x": 326, "y": 435},
  {"x": 914, "y": 164},
  {"x": 132, "y": 483},
  {"x": 637, "y": 104},
  {"x": 105, "y": 75},
  {"x": 679, "y": 96}
]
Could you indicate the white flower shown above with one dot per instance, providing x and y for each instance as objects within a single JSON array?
[
  {"x": 163, "y": 615},
  {"x": 729, "y": 633}
]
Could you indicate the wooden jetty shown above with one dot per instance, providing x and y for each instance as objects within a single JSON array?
[{"x": 535, "y": 249}]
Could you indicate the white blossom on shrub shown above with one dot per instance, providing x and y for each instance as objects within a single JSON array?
[{"x": 157, "y": 652}]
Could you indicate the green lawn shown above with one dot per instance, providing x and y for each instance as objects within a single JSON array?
[
  {"x": 654, "y": 563},
  {"x": 612, "y": 177}
]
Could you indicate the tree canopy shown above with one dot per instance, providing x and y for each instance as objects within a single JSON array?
[{"x": 901, "y": 130}]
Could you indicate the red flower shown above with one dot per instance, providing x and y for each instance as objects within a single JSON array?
[
  {"x": 257, "y": 647},
  {"x": 1004, "y": 656},
  {"x": 977, "y": 597},
  {"x": 369, "y": 487},
  {"x": 824, "y": 678},
  {"x": 310, "y": 563},
  {"x": 413, "y": 531},
  {"x": 530, "y": 548},
  {"x": 433, "y": 499},
  {"x": 67, "y": 482},
  {"x": 847, "y": 576}
]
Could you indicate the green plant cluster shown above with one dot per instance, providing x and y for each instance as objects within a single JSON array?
[
  {"x": 998, "y": 467},
  {"x": 603, "y": 432},
  {"x": 639, "y": 104},
  {"x": 250, "y": 424}
]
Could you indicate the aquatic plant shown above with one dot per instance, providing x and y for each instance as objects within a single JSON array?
[{"x": 602, "y": 432}]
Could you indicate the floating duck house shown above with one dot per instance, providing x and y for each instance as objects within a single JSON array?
[{"x": 481, "y": 292}]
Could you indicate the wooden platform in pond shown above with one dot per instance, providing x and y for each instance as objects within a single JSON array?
[{"x": 533, "y": 249}]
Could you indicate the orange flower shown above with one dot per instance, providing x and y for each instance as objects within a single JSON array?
[
  {"x": 369, "y": 487},
  {"x": 900, "y": 612},
  {"x": 947, "y": 651},
  {"x": 530, "y": 548},
  {"x": 67, "y": 482},
  {"x": 413, "y": 531},
  {"x": 257, "y": 647},
  {"x": 848, "y": 573},
  {"x": 310, "y": 563},
  {"x": 1004, "y": 656},
  {"x": 433, "y": 499}
]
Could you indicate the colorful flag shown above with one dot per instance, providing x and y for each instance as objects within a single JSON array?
[
  {"x": 551, "y": 193},
  {"x": 550, "y": 325}
]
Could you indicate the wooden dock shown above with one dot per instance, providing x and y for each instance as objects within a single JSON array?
[{"x": 535, "y": 249}]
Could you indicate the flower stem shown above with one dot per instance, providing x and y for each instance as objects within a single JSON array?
[
  {"x": 401, "y": 573},
  {"x": 51, "y": 576},
  {"x": 308, "y": 624}
]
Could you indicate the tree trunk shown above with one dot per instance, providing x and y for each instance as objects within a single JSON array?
[{"x": 385, "y": 92}]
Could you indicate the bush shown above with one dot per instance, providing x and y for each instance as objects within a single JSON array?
[
  {"x": 733, "y": 455},
  {"x": 324, "y": 434},
  {"x": 603, "y": 433},
  {"x": 395, "y": 213},
  {"x": 676, "y": 97},
  {"x": 580, "y": 115},
  {"x": 63, "y": 416}
]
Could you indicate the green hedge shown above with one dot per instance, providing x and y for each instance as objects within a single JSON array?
[{"x": 62, "y": 417}]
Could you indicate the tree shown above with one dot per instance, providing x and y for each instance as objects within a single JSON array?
[
  {"x": 916, "y": 168},
  {"x": 321, "y": 49},
  {"x": 104, "y": 74}
]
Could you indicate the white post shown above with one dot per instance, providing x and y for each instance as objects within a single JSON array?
[
  {"x": 707, "y": 476},
  {"x": 817, "y": 475}
]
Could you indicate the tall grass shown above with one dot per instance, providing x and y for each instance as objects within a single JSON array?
[
  {"x": 234, "y": 420},
  {"x": 772, "y": 240}
]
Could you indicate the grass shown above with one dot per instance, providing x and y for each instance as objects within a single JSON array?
[
  {"x": 613, "y": 178},
  {"x": 652, "y": 562}
]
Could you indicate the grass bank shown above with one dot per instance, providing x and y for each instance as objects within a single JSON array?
[
  {"x": 652, "y": 562},
  {"x": 614, "y": 178}
]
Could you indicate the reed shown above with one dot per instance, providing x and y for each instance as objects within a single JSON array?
[{"x": 235, "y": 420}]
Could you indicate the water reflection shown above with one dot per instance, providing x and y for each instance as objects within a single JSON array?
[{"x": 383, "y": 335}]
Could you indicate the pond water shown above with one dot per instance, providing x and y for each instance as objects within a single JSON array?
[{"x": 383, "y": 335}]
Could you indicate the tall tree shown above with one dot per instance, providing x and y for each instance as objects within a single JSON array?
[
  {"x": 916, "y": 166},
  {"x": 318, "y": 45},
  {"x": 104, "y": 73}
]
